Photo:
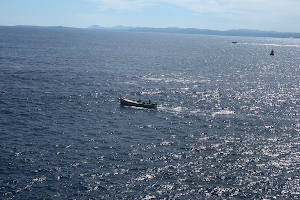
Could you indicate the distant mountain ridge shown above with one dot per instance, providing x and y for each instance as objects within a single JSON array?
[
  {"x": 119, "y": 27},
  {"x": 233, "y": 32}
]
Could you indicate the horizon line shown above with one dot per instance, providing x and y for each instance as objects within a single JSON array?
[
  {"x": 105, "y": 27},
  {"x": 238, "y": 32}
]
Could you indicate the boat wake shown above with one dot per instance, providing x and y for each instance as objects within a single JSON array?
[
  {"x": 184, "y": 111},
  {"x": 223, "y": 112}
]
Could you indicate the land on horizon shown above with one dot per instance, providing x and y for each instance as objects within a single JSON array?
[{"x": 233, "y": 32}]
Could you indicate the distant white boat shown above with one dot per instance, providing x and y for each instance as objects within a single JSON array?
[{"x": 272, "y": 53}]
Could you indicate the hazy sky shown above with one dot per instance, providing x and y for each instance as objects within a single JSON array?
[{"x": 271, "y": 15}]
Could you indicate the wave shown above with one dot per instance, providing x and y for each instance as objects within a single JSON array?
[{"x": 223, "y": 112}]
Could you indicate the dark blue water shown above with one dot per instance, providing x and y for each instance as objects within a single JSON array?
[{"x": 226, "y": 127}]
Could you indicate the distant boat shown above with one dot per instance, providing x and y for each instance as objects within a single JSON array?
[
  {"x": 139, "y": 103},
  {"x": 234, "y": 42},
  {"x": 272, "y": 53}
]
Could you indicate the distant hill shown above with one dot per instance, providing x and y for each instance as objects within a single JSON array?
[
  {"x": 51, "y": 27},
  {"x": 234, "y": 32},
  {"x": 119, "y": 27}
]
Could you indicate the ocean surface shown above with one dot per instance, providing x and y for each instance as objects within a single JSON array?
[{"x": 227, "y": 125}]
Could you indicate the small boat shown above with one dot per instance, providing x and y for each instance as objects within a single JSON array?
[
  {"x": 139, "y": 103},
  {"x": 272, "y": 53},
  {"x": 234, "y": 42}
]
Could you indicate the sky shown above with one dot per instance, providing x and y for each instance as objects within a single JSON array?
[{"x": 267, "y": 15}]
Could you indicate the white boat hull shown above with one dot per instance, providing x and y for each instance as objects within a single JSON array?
[{"x": 128, "y": 102}]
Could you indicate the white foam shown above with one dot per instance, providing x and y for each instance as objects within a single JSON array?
[{"x": 223, "y": 112}]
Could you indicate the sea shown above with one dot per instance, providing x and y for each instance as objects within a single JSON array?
[{"x": 227, "y": 124}]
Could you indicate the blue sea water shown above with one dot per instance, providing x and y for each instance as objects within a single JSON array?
[{"x": 226, "y": 127}]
